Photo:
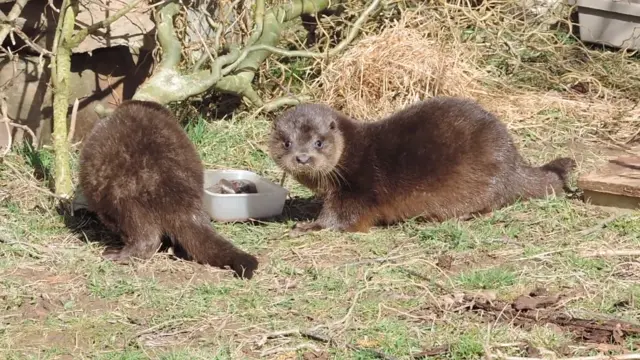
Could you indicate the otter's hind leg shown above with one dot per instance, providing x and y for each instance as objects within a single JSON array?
[
  {"x": 141, "y": 243},
  {"x": 142, "y": 237}
]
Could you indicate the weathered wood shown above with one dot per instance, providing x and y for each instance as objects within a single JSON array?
[
  {"x": 617, "y": 184},
  {"x": 611, "y": 200}
]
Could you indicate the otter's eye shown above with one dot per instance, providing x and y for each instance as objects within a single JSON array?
[
  {"x": 287, "y": 144},
  {"x": 318, "y": 144}
]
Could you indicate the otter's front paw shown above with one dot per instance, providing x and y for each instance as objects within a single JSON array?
[
  {"x": 300, "y": 228},
  {"x": 116, "y": 255}
]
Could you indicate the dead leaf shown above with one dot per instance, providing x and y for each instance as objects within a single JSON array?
[
  {"x": 445, "y": 261},
  {"x": 315, "y": 355},
  {"x": 537, "y": 298}
]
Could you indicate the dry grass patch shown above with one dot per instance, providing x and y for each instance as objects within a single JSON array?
[
  {"x": 384, "y": 72},
  {"x": 535, "y": 77}
]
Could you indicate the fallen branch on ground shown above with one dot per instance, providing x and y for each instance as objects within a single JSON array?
[
  {"x": 596, "y": 357},
  {"x": 610, "y": 329}
]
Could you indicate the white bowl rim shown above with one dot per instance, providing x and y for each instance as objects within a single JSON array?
[{"x": 241, "y": 171}]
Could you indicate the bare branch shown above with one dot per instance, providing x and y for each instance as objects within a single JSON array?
[
  {"x": 31, "y": 44},
  {"x": 204, "y": 43},
  {"x": 274, "y": 105},
  {"x": 166, "y": 36},
  {"x": 16, "y": 10},
  {"x": 168, "y": 85},
  {"x": 74, "y": 115},
  {"x": 82, "y": 34},
  {"x": 4, "y": 119},
  {"x": 234, "y": 72},
  {"x": 258, "y": 21},
  {"x": 7, "y": 123}
]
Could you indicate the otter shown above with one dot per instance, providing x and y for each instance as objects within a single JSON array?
[
  {"x": 442, "y": 158},
  {"x": 143, "y": 178}
]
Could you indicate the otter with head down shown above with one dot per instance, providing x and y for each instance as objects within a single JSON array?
[
  {"x": 143, "y": 177},
  {"x": 439, "y": 159}
]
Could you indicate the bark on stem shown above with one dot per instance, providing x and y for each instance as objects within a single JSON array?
[
  {"x": 64, "y": 43},
  {"x": 62, "y": 64}
]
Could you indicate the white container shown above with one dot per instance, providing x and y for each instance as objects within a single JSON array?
[
  {"x": 267, "y": 202},
  {"x": 609, "y": 22}
]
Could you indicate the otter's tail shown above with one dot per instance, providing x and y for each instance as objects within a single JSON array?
[
  {"x": 204, "y": 245},
  {"x": 552, "y": 175}
]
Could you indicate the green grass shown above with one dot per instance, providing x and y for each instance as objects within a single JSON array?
[
  {"x": 60, "y": 299},
  {"x": 377, "y": 292}
]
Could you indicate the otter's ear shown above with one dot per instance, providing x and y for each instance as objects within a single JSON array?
[{"x": 332, "y": 125}]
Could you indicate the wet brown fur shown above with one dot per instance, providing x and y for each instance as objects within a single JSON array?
[
  {"x": 143, "y": 177},
  {"x": 441, "y": 158}
]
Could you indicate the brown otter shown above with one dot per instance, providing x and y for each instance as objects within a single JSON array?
[
  {"x": 441, "y": 158},
  {"x": 142, "y": 176}
]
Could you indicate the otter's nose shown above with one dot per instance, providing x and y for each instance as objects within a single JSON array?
[{"x": 302, "y": 158}]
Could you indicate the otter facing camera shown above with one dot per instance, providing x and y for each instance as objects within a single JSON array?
[{"x": 240, "y": 195}]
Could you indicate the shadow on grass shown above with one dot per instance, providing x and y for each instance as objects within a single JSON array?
[
  {"x": 295, "y": 209},
  {"x": 86, "y": 226}
]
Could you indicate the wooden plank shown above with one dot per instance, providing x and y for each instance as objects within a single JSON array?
[
  {"x": 620, "y": 176},
  {"x": 611, "y": 200},
  {"x": 632, "y": 162}
]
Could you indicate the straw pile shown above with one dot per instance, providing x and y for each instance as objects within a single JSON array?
[
  {"x": 386, "y": 71},
  {"x": 536, "y": 82}
]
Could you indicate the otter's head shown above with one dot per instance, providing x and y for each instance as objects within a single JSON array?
[{"x": 307, "y": 140}]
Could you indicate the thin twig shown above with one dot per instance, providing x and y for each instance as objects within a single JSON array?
[
  {"x": 31, "y": 44},
  {"x": 74, "y": 115},
  {"x": 204, "y": 43},
  {"x": 610, "y": 253},
  {"x": 600, "y": 225},
  {"x": 82, "y": 34},
  {"x": 34, "y": 139},
  {"x": 16, "y": 10}
]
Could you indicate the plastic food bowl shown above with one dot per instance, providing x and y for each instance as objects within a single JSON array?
[{"x": 267, "y": 202}]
